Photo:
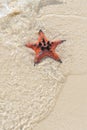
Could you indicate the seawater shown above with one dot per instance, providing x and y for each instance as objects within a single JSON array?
[{"x": 27, "y": 93}]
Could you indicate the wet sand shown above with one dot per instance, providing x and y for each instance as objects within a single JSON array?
[
  {"x": 28, "y": 93},
  {"x": 70, "y": 111}
]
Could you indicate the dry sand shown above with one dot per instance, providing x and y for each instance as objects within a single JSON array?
[
  {"x": 28, "y": 94},
  {"x": 70, "y": 112}
]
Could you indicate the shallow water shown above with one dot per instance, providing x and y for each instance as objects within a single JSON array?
[{"x": 29, "y": 93}]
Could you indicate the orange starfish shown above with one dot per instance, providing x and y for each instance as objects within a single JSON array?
[{"x": 43, "y": 48}]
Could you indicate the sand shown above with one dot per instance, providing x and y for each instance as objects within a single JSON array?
[
  {"x": 70, "y": 111},
  {"x": 28, "y": 94}
]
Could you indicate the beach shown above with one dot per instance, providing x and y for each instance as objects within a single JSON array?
[
  {"x": 49, "y": 95},
  {"x": 70, "y": 111}
]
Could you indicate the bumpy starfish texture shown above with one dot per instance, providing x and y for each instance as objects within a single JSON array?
[{"x": 44, "y": 48}]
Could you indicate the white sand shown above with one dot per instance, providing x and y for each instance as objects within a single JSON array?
[
  {"x": 70, "y": 112},
  {"x": 28, "y": 94}
]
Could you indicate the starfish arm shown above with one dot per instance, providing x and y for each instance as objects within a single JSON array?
[
  {"x": 54, "y": 55},
  {"x": 31, "y": 45},
  {"x": 39, "y": 56},
  {"x": 36, "y": 60},
  {"x": 55, "y": 44},
  {"x": 42, "y": 55},
  {"x": 42, "y": 37}
]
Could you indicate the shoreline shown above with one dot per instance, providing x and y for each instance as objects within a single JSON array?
[{"x": 70, "y": 110}]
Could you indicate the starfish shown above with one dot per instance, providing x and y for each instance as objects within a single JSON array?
[{"x": 44, "y": 48}]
